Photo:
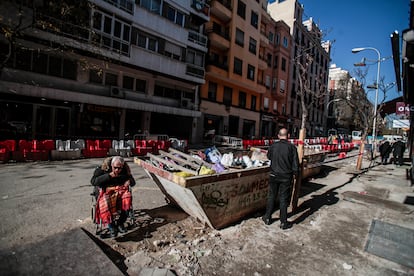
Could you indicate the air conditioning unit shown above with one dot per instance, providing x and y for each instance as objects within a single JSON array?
[
  {"x": 186, "y": 103},
  {"x": 117, "y": 92}
]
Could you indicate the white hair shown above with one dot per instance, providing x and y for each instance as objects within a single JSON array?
[{"x": 117, "y": 158}]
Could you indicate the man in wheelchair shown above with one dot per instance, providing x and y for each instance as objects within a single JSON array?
[{"x": 112, "y": 181}]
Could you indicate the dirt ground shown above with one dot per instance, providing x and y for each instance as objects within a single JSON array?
[{"x": 328, "y": 237}]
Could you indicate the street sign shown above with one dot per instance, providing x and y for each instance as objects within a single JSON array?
[
  {"x": 401, "y": 124},
  {"x": 403, "y": 109}
]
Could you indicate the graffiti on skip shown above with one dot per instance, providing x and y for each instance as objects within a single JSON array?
[
  {"x": 214, "y": 199},
  {"x": 239, "y": 189}
]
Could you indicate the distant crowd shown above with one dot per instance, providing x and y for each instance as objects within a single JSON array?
[{"x": 397, "y": 149}]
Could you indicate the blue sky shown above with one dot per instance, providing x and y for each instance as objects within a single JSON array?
[{"x": 361, "y": 23}]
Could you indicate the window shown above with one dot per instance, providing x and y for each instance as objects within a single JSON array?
[
  {"x": 69, "y": 69},
  {"x": 144, "y": 40},
  {"x": 111, "y": 32},
  {"x": 238, "y": 66},
  {"x": 274, "y": 105},
  {"x": 277, "y": 39},
  {"x": 253, "y": 103},
  {"x": 285, "y": 42},
  {"x": 274, "y": 83},
  {"x": 266, "y": 103},
  {"x": 40, "y": 62},
  {"x": 140, "y": 85},
  {"x": 111, "y": 79},
  {"x": 194, "y": 57},
  {"x": 151, "y": 5},
  {"x": 252, "y": 45},
  {"x": 282, "y": 86},
  {"x": 212, "y": 91},
  {"x": 283, "y": 64},
  {"x": 271, "y": 37},
  {"x": 128, "y": 82},
  {"x": 242, "y": 99},
  {"x": 126, "y": 5},
  {"x": 254, "y": 19},
  {"x": 95, "y": 76},
  {"x": 241, "y": 9},
  {"x": 172, "y": 50},
  {"x": 269, "y": 60},
  {"x": 267, "y": 81},
  {"x": 239, "y": 37},
  {"x": 55, "y": 66},
  {"x": 227, "y": 96},
  {"x": 173, "y": 15},
  {"x": 250, "y": 72},
  {"x": 152, "y": 44}
]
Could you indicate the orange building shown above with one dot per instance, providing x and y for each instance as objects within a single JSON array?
[{"x": 242, "y": 95}]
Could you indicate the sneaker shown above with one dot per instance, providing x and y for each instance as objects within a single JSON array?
[
  {"x": 285, "y": 225},
  {"x": 112, "y": 231},
  {"x": 267, "y": 221},
  {"x": 121, "y": 229}
]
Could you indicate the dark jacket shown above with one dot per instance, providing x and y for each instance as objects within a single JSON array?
[
  {"x": 399, "y": 148},
  {"x": 284, "y": 159},
  {"x": 385, "y": 149},
  {"x": 102, "y": 179}
]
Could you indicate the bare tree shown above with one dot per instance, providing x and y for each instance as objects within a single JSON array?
[
  {"x": 68, "y": 18},
  {"x": 352, "y": 94}
]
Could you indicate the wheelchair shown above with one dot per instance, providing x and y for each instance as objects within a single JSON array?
[{"x": 99, "y": 226}]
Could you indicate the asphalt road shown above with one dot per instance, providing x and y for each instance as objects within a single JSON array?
[{"x": 39, "y": 199}]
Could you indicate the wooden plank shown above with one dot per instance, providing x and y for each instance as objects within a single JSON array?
[
  {"x": 190, "y": 158},
  {"x": 180, "y": 160},
  {"x": 171, "y": 164},
  {"x": 160, "y": 173}
]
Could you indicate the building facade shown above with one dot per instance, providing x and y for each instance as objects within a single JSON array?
[
  {"x": 309, "y": 68},
  {"x": 246, "y": 84},
  {"x": 102, "y": 69}
]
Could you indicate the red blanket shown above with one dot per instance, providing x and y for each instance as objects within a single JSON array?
[{"x": 111, "y": 201}]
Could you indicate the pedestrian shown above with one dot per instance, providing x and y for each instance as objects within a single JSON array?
[
  {"x": 113, "y": 180},
  {"x": 398, "y": 152},
  {"x": 385, "y": 149},
  {"x": 284, "y": 166},
  {"x": 330, "y": 139}
]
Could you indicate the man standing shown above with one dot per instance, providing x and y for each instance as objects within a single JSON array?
[
  {"x": 284, "y": 166},
  {"x": 398, "y": 153}
]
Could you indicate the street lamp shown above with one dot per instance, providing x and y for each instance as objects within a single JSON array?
[{"x": 356, "y": 50}]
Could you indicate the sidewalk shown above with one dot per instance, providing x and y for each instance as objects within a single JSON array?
[{"x": 337, "y": 231}]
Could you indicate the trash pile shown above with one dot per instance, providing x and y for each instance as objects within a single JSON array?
[
  {"x": 209, "y": 161},
  {"x": 238, "y": 159}
]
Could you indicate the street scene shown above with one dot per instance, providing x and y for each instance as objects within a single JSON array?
[{"x": 47, "y": 227}]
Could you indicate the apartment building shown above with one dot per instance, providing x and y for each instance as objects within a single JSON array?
[
  {"x": 102, "y": 68},
  {"x": 311, "y": 56},
  {"x": 245, "y": 90},
  {"x": 347, "y": 101}
]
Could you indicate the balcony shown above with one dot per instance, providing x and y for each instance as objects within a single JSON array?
[
  {"x": 218, "y": 39},
  {"x": 199, "y": 40},
  {"x": 262, "y": 64},
  {"x": 221, "y": 9},
  {"x": 221, "y": 65},
  {"x": 263, "y": 39}
]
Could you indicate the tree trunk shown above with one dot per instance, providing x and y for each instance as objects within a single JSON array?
[
  {"x": 298, "y": 181},
  {"x": 360, "y": 156}
]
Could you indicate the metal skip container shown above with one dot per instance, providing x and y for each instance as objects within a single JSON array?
[{"x": 217, "y": 199}]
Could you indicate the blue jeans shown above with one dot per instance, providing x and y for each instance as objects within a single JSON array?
[{"x": 281, "y": 187}]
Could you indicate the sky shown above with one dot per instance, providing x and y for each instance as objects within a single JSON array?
[{"x": 361, "y": 23}]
